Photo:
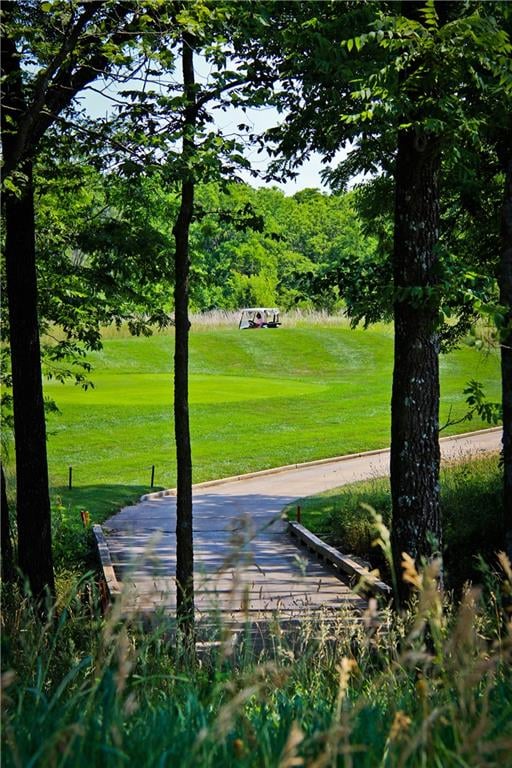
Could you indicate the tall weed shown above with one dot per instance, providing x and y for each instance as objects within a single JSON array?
[{"x": 431, "y": 687}]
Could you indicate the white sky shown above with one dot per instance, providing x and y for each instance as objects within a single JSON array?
[{"x": 261, "y": 119}]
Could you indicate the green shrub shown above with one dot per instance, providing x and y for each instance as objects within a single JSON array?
[
  {"x": 71, "y": 541},
  {"x": 472, "y": 510},
  {"x": 473, "y": 516}
]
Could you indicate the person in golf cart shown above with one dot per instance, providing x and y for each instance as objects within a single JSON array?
[{"x": 259, "y": 317}]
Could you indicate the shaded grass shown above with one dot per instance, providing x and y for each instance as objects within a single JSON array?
[
  {"x": 105, "y": 498},
  {"x": 258, "y": 399},
  {"x": 472, "y": 511}
]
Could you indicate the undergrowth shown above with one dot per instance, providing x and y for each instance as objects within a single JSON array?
[
  {"x": 431, "y": 687},
  {"x": 471, "y": 505}
]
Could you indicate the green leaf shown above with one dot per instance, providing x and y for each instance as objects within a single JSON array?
[{"x": 10, "y": 186}]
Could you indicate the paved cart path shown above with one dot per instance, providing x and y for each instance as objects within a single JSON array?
[{"x": 246, "y": 563}]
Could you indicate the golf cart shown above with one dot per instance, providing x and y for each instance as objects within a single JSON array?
[{"x": 259, "y": 317}]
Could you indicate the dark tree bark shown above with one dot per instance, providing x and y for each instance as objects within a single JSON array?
[
  {"x": 415, "y": 400},
  {"x": 184, "y": 536},
  {"x": 505, "y": 280},
  {"x": 32, "y": 489},
  {"x": 32, "y": 492},
  {"x": 26, "y": 115},
  {"x": 8, "y": 569}
]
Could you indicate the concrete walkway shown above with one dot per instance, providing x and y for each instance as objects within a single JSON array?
[{"x": 247, "y": 567}]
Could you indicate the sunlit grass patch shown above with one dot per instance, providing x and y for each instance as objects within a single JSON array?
[{"x": 258, "y": 399}]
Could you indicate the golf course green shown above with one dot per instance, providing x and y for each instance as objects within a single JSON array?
[{"x": 257, "y": 399}]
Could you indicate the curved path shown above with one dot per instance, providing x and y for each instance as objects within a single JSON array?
[{"x": 247, "y": 566}]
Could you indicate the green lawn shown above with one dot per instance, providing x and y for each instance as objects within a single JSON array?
[{"x": 258, "y": 399}]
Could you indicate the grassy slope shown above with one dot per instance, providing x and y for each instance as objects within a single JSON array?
[{"x": 258, "y": 399}]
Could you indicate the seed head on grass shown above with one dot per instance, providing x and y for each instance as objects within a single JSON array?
[
  {"x": 400, "y": 726},
  {"x": 289, "y": 756},
  {"x": 505, "y": 564}
]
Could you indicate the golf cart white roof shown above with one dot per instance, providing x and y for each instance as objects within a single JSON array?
[{"x": 260, "y": 309}]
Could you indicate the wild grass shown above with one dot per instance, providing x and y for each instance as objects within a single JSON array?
[
  {"x": 220, "y": 318},
  {"x": 432, "y": 687},
  {"x": 472, "y": 510},
  {"x": 483, "y": 335}
]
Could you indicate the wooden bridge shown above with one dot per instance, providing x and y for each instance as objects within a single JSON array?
[{"x": 248, "y": 567}]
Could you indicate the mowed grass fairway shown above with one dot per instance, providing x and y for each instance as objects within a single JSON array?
[{"x": 258, "y": 399}]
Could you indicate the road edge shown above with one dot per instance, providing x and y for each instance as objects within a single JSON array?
[{"x": 317, "y": 462}]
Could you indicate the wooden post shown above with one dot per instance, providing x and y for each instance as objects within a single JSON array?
[
  {"x": 298, "y": 513},
  {"x": 104, "y": 596},
  {"x": 70, "y": 480},
  {"x": 152, "y": 475}
]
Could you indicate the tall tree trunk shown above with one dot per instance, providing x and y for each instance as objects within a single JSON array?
[
  {"x": 505, "y": 279},
  {"x": 32, "y": 491},
  {"x": 184, "y": 536},
  {"x": 8, "y": 569},
  {"x": 415, "y": 456}
]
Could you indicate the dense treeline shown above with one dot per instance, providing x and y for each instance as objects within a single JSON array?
[{"x": 249, "y": 246}]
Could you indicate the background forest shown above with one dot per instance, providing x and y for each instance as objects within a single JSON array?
[{"x": 251, "y": 246}]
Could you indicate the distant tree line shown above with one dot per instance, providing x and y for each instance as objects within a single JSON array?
[{"x": 251, "y": 246}]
